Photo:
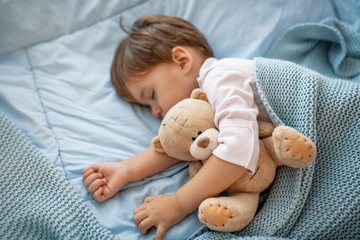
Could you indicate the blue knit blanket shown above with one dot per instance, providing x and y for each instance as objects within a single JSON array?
[
  {"x": 36, "y": 201},
  {"x": 319, "y": 96}
]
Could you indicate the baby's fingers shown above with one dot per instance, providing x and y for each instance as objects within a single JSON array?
[
  {"x": 145, "y": 225},
  {"x": 91, "y": 178},
  {"x": 95, "y": 167},
  {"x": 96, "y": 184},
  {"x": 139, "y": 208},
  {"x": 87, "y": 173},
  {"x": 160, "y": 232},
  {"x": 86, "y": 169},
  {"x": 148, "y": 199},
  {"x": 140, "y": 216},
  {"x": 99, "y": 196}
]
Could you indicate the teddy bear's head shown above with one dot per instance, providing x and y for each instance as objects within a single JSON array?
[{"x": 188, "y": 127}]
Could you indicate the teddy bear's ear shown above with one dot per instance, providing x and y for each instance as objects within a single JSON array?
[
  {"x": 198, "y": 94},
  {"x": 157, "y": 145}
]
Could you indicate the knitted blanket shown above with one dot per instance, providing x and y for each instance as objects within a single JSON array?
[
  {"x": 36, "y": 201},
  {"x": 321, "y": 201}
]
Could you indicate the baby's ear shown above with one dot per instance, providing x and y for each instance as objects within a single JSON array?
[
  {"x": 197, "y": 93},
  {"x": 157, "y": 145}
]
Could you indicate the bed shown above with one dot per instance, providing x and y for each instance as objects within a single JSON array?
[{"x": 59, "y": 113}]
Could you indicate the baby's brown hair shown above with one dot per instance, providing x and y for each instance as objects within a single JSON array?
[{"x": 149, "y": 43}]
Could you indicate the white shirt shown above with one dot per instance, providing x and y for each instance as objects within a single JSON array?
[{"x": 229, "y": 84}]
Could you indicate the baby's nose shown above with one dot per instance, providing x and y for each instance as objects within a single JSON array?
[{"x": 203, "y": 142}]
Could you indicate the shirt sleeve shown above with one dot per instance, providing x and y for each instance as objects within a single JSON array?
[{"x": 230, "y": 94}]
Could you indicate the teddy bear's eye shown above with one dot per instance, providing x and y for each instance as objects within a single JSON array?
[{"x": 199, "y": 133}]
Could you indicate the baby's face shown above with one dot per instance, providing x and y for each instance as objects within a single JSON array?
[{"x": 161, "y": 88}]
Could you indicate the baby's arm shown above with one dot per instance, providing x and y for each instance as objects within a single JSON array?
[
  {"x": 164, "y": 211},
  {"x": 105, "y": 179}
]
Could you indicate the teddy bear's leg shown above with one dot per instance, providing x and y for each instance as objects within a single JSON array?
[
  {"x": 230, "y": 213},
  {"x": 290, "y": 147}
]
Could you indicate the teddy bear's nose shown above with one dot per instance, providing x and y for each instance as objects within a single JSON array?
[{"x": 203, "y": 142}]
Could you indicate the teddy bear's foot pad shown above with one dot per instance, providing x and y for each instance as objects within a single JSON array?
[
  {"x": 299, "y": 147},
  {"x": 294, "y": 149},
  {"x": 228, "y": 213},
  {"x": 215, "y": 215}
]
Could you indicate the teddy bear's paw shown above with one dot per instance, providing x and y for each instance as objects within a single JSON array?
[
  {"x": 215, "y": 215},
  {"x": 295, "y": 149},
  {"x": 299, "y": 147},
  {"x": 230, "y": 213}
]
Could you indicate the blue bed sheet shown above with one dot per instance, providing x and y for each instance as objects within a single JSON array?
[{"x": 55, "y": 83}]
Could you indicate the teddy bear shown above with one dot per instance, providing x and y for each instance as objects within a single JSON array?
[{"x": 188, "y": 133}]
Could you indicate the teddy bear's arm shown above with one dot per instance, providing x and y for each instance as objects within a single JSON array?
[
  {"x": 265, "y": 129},
  {"x": 194, "y": 168}
]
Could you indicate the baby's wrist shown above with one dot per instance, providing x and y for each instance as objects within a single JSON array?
[
  {"x": 129, "y": 172},
  {"x": 181, "y": 207}
]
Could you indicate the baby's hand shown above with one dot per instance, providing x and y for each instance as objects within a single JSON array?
[
  {"x": 162, "y": 212},
  {"x": 105, "y": 179}
]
